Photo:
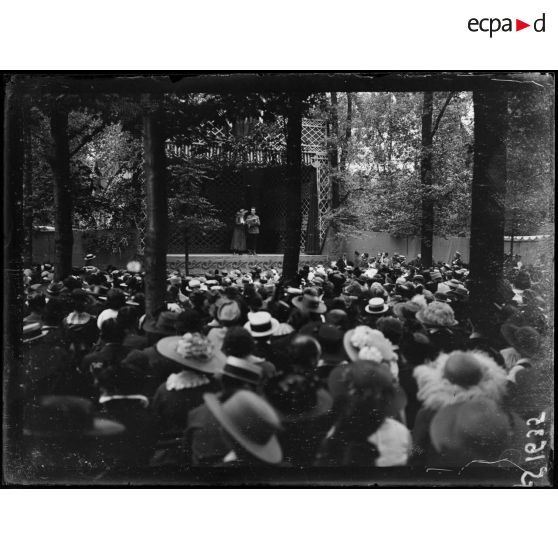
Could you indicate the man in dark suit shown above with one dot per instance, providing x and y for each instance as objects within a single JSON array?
[{"x": 253, "y": 230}]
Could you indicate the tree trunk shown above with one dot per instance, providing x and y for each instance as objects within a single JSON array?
[
  {"x": 156, "y": 230},
  {"x": 427, "y": 204},
  {"x": 186, "y": 252},
  {"x": 333, "y": 141},
  {"x": 63, "y": 200},
  {"x": 294, "y": 178},
  {"x": 488, "y": 201},
  {"x": 348, "y": 132},
  {"x": 27, "y": 195},
  {"x": 13, "y": 287}
]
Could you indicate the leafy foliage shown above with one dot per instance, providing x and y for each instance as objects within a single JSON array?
[{"x": 381, "y": 190}]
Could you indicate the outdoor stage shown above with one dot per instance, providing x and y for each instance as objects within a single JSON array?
[{"x": 208, "y": 263}]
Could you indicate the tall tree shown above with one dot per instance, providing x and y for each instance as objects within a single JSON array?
[
  {"x": 427, "y": 203},
  {"x": 488, "y": 199},
  {"x": 294, "y": 186},
  {"x": 333, "y": 142},
  {"x": 63, "y": 200},
  {"x": 348, "y": 133},
  {"x": 156, "y": 234},
  {"x": 27, "y": 193}
]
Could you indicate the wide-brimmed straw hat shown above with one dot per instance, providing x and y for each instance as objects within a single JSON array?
[
  {"x": 310, "y": 303},
  {"x": 63, "y": 416},
  {"x": 250, "y": 421},
  {"x": 193, "y": 351},
  {"x": 376, "y": 305},
  {"x": 526, "y": 340},
  {"x": 261, "y": 324},
  {"x": 33, "y": 331},
  {"x": 437, "y": 314}
]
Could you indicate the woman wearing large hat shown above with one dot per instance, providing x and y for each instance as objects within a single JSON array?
[
  {"x": 453, "y": 378},
  {"x": 251, "y": 426},
  {"x": 182, "y": 391},
  {"x": 365, "y": 397},
  {"x": 365, "y": 343},
  {"x": 238, "y": 242}
]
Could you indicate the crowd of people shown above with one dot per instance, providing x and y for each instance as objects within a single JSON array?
[{"x": 368, "y": 362}]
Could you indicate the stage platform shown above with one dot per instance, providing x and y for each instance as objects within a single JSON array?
[{"x": 208, "y": 263}]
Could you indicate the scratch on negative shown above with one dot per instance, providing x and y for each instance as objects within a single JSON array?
[{"x": 491, "y": 463}]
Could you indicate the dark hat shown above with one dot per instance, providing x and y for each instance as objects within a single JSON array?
[
  {"x": 165, "y": 324},
  {"x": 329, "y": 334},
  {"x": 137, "y": 360},
  {"x": 463, "y": 369},
  {"x": 55, "y": 288},
  {"x": 367, "y": 375},
  {"x": 89, "y": 257},
  {"x": 244, "y": 370},
  {"x": 64, "y": 416},
  {"x": 526, "y": 340},
  {"x": 296, "y": 397},
  {"x": 250, "y": 421},
  {"x": 337, "y": 317},
  {"x": 310, "y": 302}
]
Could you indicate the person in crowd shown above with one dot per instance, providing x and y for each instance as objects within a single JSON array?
[
  {"x": 36, "y": 304},
  {"x": 253, "y": 231},
  {"x": 341, "y": 363},
  {"x": 121, "y": 400},
  {"x": 453, "y": 378},
  {"x": 182, "y": 391},
  {"x": 203, "y": 440},
  {"x": 308, "y": 307},
  {"x": 116, "y": 299},
  {"x": 128, "y": 320},
  {"x": 250, "y": 427},
  {"x": 305, "y": 411},
  {"x": 440, "y": 324},
  {"x": 110, "y": 350},
  {"x": 364, "y": 434},
  {"x": 228, "y": 313},
  {"x": 79, "y": 326},
  {"x": 238, "y": 242}
]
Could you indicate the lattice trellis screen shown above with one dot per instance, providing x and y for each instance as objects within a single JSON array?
[{"x": 227, "y": 185}]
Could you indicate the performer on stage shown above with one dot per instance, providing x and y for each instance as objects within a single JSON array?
[
  {"x": 253, "y": 226},
  {"x": 238, "y": 242}
]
